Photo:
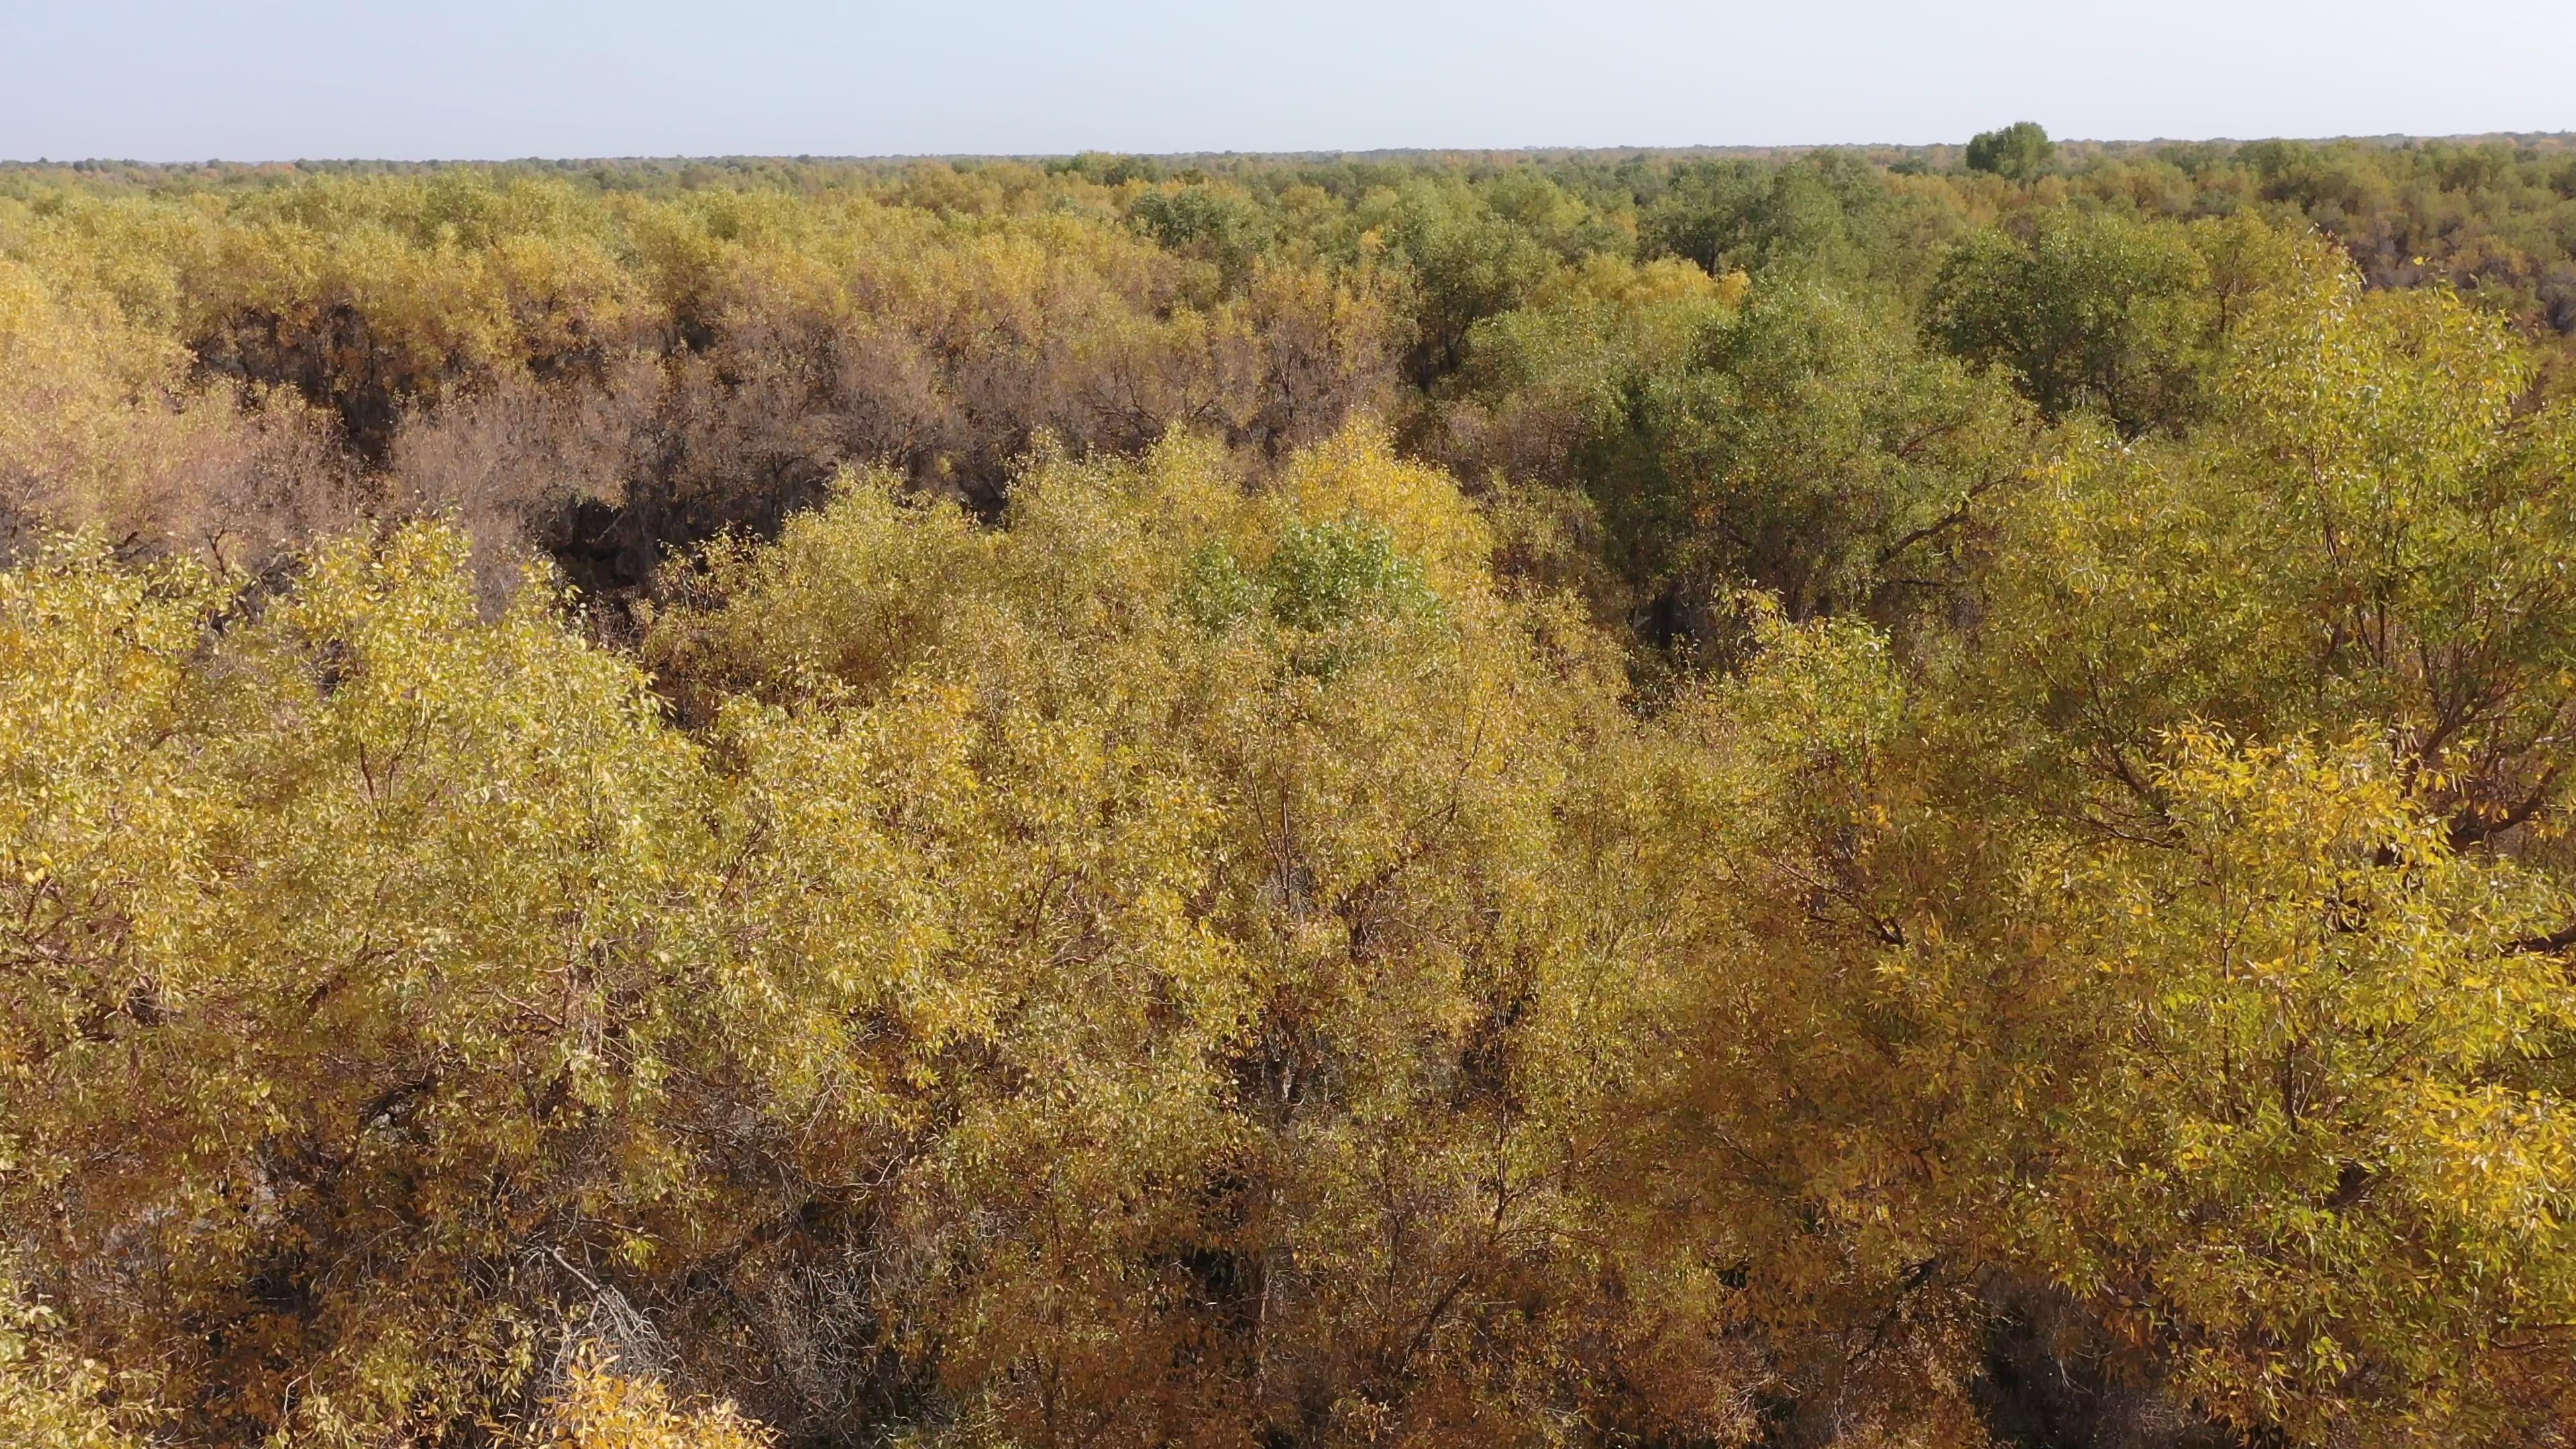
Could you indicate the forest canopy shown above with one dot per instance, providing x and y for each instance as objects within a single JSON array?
[{"x": 1862, "y": 797}]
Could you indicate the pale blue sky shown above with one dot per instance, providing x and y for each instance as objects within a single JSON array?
[{"x": 279, "y": 79}]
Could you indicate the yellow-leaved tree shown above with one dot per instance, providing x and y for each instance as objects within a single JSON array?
[{"x": 2169, "y": 976}]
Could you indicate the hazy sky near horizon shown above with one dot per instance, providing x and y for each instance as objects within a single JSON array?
[{"x": 162, "y": 80}]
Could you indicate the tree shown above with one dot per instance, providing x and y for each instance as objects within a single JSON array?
[
  {"x": 1827, "y": 217},
  {"x": 1032, "y": 991},
  {"x": 1465, "y": 264},
  {"x": 2093, "y": 310},
  {"x": 2018, "y": 152},
  {"x": 2192, "y": 946},
  {"x": 1798, "y": 440}
]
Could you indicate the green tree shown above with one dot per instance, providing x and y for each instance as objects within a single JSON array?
[
  {"x": 1799, "y": 441},
  {"x": 1826, "y": 217},
  {"x": 2018, "y": 152},
  {"x": 1465, "y": 263},
  {"x": 2092, "y": 310}
]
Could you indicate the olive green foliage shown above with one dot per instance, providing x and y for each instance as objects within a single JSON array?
[
  {"x": 1318, "y": 577},
  {"x": 1826, "y": 217},
  {"x": 1473, "y": 255},
  {"x": 1797, "y": 440},
  {"x": 1588, "y": 801},
  {"x": 2018, "y": 152},
  {"x": 2101, "y": 312},
  {"x": 1200, "y": 221}
]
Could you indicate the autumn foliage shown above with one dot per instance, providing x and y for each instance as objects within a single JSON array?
[{"x": 991, "y": 807}]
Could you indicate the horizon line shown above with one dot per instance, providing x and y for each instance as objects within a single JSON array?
[{"x": 1294, "y": 153}]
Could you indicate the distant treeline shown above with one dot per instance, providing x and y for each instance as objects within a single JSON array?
[
  {"x": 713, "y": 339},
  {"x": 1852, "y": 797}
]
